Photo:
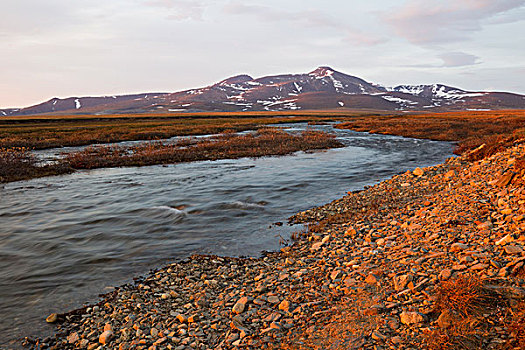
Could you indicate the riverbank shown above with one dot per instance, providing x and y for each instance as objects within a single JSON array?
[
  {"x": 378, "y": 268},
  {"x": 20, "y": 164}
]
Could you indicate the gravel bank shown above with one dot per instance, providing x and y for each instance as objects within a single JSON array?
[{"x": 370, "y": 273}]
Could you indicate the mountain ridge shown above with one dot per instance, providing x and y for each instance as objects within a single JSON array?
[{"x": 322, "y": 88}]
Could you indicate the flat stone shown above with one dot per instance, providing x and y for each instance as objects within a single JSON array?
[
  {"x": 182, "y": 318},
  {"x": 273, "y": 299},
  {"x": 411, "y": 318},
  {"x": 513, "y": 249},
  {"x": 456, "y": 247},
  {"x": 317, "y": 246},
  {"x": 479, "y": 266},
  {"x": 376, "y": 335},
  {"x": 335, "y": 274},
  {"x": 449, "y": 174},
  {"x": 459, "y": 267},
  {"x": 239, "y": 306}
]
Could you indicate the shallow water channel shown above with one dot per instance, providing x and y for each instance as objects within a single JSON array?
[{"x": 65, "y": 239}]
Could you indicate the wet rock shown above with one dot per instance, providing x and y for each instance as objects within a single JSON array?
[{"x": 52, "y": 318}]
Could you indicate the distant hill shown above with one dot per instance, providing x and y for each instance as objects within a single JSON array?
[{"x": 323, "y": 88}]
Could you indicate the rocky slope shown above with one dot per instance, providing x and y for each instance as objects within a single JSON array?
[
  {"x": 323, "y": 88},
  {"x": 377, "y": 269}
]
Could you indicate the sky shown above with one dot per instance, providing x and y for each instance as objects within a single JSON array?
[{"x": 64, "y": 48}]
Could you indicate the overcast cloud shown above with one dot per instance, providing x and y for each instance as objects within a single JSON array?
[{"x": 77, "y": 48}]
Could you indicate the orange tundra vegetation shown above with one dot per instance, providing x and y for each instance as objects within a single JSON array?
[
  {"x": 19, "y": 164},
  {"x": 40, "y": 132},
  {"x": 496, "y": 130},
  {"x": 225, "y": 146}
]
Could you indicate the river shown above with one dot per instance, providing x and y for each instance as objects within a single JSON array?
[{"x": 65, "y": 239}]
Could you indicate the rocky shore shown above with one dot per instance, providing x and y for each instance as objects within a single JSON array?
[{"x": 433, "y": 258}]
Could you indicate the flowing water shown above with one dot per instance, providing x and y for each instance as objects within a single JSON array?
[{"x": 65, "y": 239}]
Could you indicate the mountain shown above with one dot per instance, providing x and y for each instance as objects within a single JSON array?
[{"x": 323, "y": 88}]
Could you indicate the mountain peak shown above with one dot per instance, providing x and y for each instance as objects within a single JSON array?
[
  {"x": 237, "y": 79},
  {"x": 322, "y": 71}
]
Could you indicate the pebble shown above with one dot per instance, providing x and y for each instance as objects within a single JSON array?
[
  {"x": 456, "y": 247},
  {"x": 284, "y": 305},
  {"x": 105, "y": 337},
  {"x": 418, "y": 172},
  {"x": 73, "y": 338},
  {"x": 411, "y": 318},
  {"x": 52, "y": 318},
  {"x": 239, "y": 306}
]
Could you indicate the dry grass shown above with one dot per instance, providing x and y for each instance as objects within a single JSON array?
[
  {"x": 462, "y": 335},
  {"x": 466, "y": 299},
  {"x": 345, "y": 326},
  {"x": 464, "y": 296}
]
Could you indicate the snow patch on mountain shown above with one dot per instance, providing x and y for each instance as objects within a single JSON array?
[
  {"x": 399, "y": 100},
  {"x": 441, "y": 91},
  {"x": 409, "y": 89}
]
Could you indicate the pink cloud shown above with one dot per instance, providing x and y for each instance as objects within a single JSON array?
[
  {"x": 309, "y": 18},
  {"x": 180, "y": 9},
  {"x": 429, "y": 22}
]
